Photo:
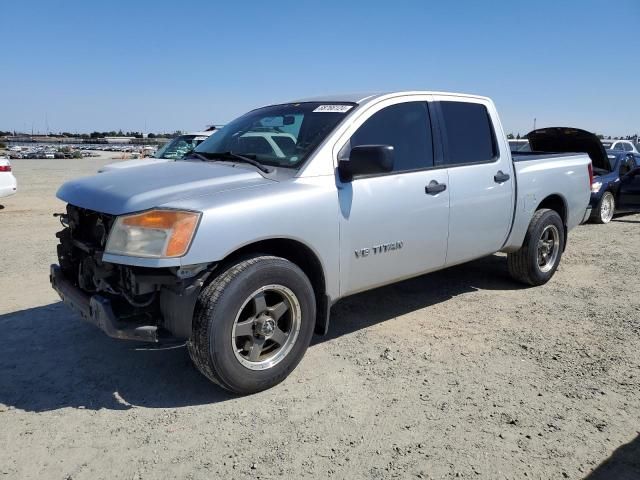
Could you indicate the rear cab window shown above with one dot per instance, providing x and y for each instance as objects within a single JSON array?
[{"x": 468, "y": 133}]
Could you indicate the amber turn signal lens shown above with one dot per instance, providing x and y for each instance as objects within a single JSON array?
[{"x": 180, "y": 226}]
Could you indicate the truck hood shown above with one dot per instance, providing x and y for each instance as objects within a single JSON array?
[
  {"x": 134, "y": 189},
  {"x": 564, "y": 139},
  {"x": 139, "y": 162}
]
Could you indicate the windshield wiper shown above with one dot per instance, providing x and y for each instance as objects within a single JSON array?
[
  {"x": 196, "y": 155},
  {"x": 236, "y": 157}
]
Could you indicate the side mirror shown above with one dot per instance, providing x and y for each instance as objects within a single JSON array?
[{"x": 366, "y": 160}]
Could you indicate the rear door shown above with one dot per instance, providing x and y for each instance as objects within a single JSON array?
[
  {"x": 629, "y": 192},
  {"x": 481, "y": 179}
]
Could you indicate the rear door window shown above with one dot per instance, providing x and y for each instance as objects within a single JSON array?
[
  {"x": 468, "y": 133},
  {"x": 407, "y": 128}
]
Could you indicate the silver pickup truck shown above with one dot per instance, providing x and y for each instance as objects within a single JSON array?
[{"x": 241, "y": 248}]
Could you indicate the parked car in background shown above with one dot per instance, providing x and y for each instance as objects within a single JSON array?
[
  {"x": 623, "y": 145},
  {"x": 242, "y": 248},
  {"x": 173, "y": 150},
  {"x": 269, "y": 142},
  {"x": 519, "y": 145},
  {"x": 616, "y": 190},
  {"x": 615, "y": 186},
  {"x": 264, "y": 141},
  {"x": 8, "y": 183}
]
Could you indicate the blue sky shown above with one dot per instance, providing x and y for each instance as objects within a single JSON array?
[{"x": 84, "y": 65}]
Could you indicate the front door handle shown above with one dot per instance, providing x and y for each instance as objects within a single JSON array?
[
  {"x": 501, "y": 177},
  {"x": 435, "y": 188}
]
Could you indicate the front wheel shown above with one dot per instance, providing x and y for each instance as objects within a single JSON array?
[
  {"x": 603, "y": 213},
  {"x": 540, "y": 254},
  {"x": 253, "y": 323}
]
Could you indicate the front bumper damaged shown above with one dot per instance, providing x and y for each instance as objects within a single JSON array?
[{"x": 97, "y": 310}]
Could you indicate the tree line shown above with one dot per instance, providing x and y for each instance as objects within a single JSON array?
[
  {"x": 633, "y": 138},
  {"x": 96, "y": 134}
]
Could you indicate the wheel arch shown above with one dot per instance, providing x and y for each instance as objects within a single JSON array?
[
  {"x": 557, "y": 203},
  {"x": 304, "y": 257}
]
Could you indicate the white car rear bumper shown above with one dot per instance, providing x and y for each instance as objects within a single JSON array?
[{"x": 8, "y": 186}]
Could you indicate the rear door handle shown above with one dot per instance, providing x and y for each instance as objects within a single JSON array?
[
  {"x": 501, "y": 177},
  {"x": 435, "y": 188}
]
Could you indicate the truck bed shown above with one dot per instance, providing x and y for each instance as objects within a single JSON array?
[
  {"x": 541, "y": 175},
  {"x": 525, "y": 156}
]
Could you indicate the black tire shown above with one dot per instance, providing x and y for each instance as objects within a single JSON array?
[
  {"x": 524, "y": 264},
  {"x": 211, "y": 346},
  {"x": 598, "y": 216}
]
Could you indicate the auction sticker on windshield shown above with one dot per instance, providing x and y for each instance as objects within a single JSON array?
[{"x": 333, "y": 108}]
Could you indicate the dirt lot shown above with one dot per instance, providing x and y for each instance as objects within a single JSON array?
[{"x": 461, "y": 373}]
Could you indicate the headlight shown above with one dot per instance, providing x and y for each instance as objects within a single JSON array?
[
  {"x": 156, "y": 233},
  {"x": 595, "y": 187}
]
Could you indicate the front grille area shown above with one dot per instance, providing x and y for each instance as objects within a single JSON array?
[
  {"x": 82, "y": 242},
  {"x": 89, "y": 227}
]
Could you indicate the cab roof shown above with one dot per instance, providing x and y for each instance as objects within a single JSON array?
[{"x": 360, "y": 98}]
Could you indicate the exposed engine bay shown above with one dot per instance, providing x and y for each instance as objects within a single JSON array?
[{"x": 163, "y": 297}]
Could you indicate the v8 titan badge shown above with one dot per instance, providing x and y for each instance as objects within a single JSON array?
[{"x": 377, "y": 249}]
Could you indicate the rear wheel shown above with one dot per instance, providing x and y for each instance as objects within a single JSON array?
[
  {"x": 252, "y": 324},
  {"x": 540, "y": 254},
  {"x": 603, "y": 213}
]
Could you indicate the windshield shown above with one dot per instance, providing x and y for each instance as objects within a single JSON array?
[
  {"x": 279, "y": 135},
  {"x": 607, "y": 145},
  {"x": 179, "y": 147}
]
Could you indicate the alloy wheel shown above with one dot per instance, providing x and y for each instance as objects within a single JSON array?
[
  {"x": 548, "y": 248},
  {"x": 266, "y": 327}
]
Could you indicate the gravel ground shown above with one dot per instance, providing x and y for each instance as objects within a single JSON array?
[{"x": 461, "y": 373}]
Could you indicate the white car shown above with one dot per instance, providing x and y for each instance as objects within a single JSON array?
[
  {"x": 624, "y": 145},
  {"x": 280, "y": 144},
  {"x": 173, "y": 150},
  {"x": 519, "y": 145},
  {"x": 8, "y": 183}
]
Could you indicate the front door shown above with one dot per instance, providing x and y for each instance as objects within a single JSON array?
[
  {"x": 629, "y": 192},
  {"x": 394, "y": 225}
]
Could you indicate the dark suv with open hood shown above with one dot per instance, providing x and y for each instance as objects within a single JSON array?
[{"x": 615, "y": 187}]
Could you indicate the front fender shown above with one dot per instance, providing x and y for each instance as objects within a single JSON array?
[{"x": 305, "y": 210}]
